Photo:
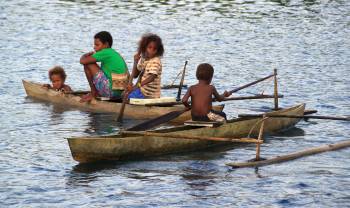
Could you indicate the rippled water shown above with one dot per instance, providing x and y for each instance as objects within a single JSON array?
[{"x": 307, "y": 41}]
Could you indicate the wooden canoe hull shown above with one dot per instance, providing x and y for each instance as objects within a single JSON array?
[
  {"x": 35, "y": 90},
  {"x": 119, "y": 147}
]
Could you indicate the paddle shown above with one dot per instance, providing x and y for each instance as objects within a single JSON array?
[
  {"x": 294, "y": 116},
  {"x": 125, "y": 100},
  {"x": 157, "y": 121},
  {"x": 174, "y": 114},
  {"x": 252, "y": 83},
  {"x": 181, "y": 83}
]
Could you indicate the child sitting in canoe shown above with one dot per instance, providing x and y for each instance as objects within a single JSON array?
[
  {"x": 148, "y": 67},
  {"x": 101, "y": 79},
  {"x": 201, "y": 96},
  {"x": 58, "y": 77}
]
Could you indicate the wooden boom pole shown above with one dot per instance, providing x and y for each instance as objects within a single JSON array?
[
  {"x": 292, "y": 156},
  {"x": 275, "y": 89}
]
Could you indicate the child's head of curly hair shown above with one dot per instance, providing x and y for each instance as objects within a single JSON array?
[
  {"x": 146, "y": 39},
  {"x": 205, "y": 72},
  {"x": 59, "y": 71}
]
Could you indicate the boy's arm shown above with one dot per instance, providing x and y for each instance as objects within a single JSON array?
[
  {"x": 219, "y": 97},
  {"x": 134, "y": 73},
  {"x": 144, "y": 82},
  {"x": 149, "y": 79},
  {"x": 153, "y": 68},
  {"x": 87, "y": 58},
  {"x": 186, "y": 97}
]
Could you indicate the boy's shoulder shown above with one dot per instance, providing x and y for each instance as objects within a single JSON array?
[
  {"x": 198, "y": 85},
  {"x": 107, "y": 50},
  {"x": 204, "y": 85}
]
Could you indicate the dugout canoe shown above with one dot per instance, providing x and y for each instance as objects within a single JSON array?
[
  {"x": 35, "y": 90},
  {"x": 125, "y": 146}
]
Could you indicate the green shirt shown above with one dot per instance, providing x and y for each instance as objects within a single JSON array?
[{"x": 111, "y": 61}]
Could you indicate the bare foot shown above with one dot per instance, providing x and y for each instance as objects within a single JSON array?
[{"x": 86, "y": 98}]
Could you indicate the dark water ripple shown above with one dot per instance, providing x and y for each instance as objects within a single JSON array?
[{"x": 307, "y": 41}]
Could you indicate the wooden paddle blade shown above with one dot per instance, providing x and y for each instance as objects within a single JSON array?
[
  {"x": 121, "y": 112},
  {"x": 157, "y": 121}
]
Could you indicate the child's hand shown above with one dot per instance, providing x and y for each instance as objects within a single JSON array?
[
  {"x": 88, "y": 54},
  {"x": 227, "y": 94},
  {"x": 64, "y": 90},
  {"x": 130, "y": 88},
  {"x": 46, "y": 86},
  {"x": 137, "y": 57}
]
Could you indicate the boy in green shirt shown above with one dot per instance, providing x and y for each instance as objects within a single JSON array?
[{"x": 100, "y": 78}]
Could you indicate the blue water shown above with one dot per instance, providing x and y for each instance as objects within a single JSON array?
[{"x": 307, "y": 41}]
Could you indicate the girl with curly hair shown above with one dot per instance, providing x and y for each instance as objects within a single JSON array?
[{"x": 147, "y": 67}]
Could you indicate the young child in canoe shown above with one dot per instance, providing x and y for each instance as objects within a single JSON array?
[
  {"x": 100, "y": 78},
  {"x": 58, "y": 77},
  {"x": 148, "y": 67},
  {"x": 201, "y": 96}
]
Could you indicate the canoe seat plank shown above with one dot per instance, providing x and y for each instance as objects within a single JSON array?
[
  {"x": 136, "y": 101},
  {"x": 211, "y": 124}
]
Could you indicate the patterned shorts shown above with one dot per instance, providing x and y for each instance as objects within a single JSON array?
[
  {"x": 101, "y": 83},
  {"x": 211, "y": 116},
  {"x": 136, "y": 94}
]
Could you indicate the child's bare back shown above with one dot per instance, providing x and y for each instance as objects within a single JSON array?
[
  {"x": 201, "y": 98},
  {"x": 201, "y": 94}
]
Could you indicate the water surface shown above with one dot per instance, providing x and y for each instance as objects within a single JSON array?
[{"x": 307, "y": 41}]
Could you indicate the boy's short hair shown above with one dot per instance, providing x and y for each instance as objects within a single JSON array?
[
  {"x": 105, "y": 37},
  {"x": 57, "y": 70},
  {"x": 205, "y": 72}
]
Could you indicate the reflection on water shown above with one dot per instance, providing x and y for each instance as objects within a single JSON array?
[
  {"x": 80, "y": 179},
  {"x": 89, "y": 168},
  {"x": 102, "y": 123},
  {"x": 96, "y": 123},
  {"x": 198, "y": 175},
  {"x": 84, "y": 174},
  {"x": 292, "y": 132}
]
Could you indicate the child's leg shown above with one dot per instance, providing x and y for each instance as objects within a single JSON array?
[
  {"x": 136, "y": 94},
  {"x": 217, "y": 116},
  {"x": 200, "y": 118},
  {"x": 90, "y": 71},
  {"x": 220, "y": 113}
]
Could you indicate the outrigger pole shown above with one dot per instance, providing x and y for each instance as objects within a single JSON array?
[{"x": 178, "y": 97}]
